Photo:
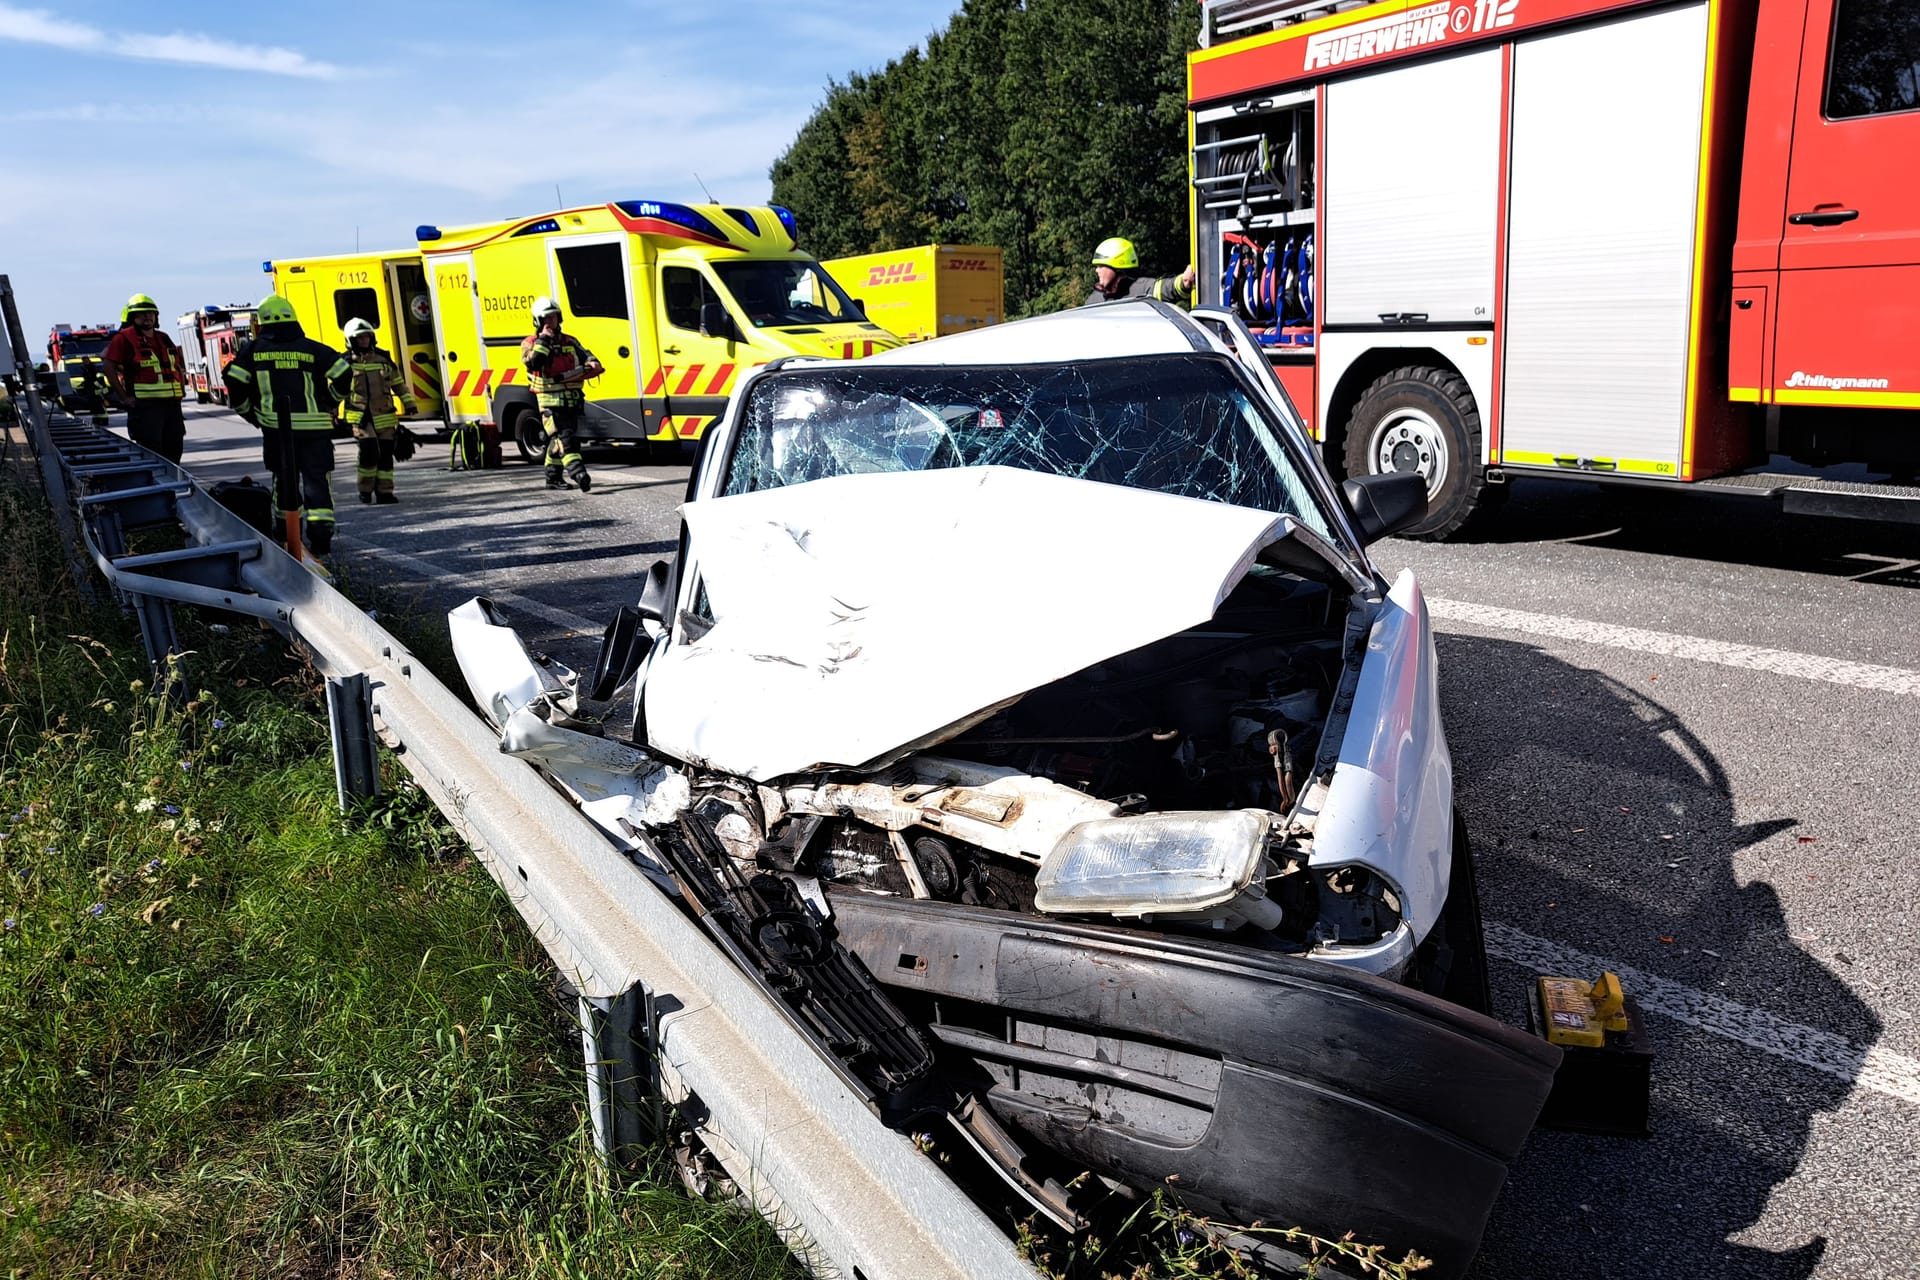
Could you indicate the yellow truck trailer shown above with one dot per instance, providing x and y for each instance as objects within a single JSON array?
[
  {"x": 928, "y": 290},
  {"x": 676, "y": 301},
  {"x": 388, "y": 290}
]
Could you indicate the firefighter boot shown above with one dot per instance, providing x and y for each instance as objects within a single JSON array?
[{"x": 319, "y": 537}]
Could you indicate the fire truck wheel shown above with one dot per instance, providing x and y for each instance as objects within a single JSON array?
[
  {"x": 1422, "y": 419},
  {"x": 523, "y": 425}
]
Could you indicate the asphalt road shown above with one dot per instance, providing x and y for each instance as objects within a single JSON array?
[{"x": 1686, "y": 733}]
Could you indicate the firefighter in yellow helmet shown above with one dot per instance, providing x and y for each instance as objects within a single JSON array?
[
  {"x": 286, "y": 384},
  {"x": 1114, "y": 263},
  {"x": 148, "y": 375},
  {"x": 373, "y": 382},
  {"x": 557, "y": 367}
]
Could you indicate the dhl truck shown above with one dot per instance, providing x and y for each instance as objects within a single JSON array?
[
  {"x": 676, "y": 301},
  {"x": 388, "y": 290},
  {"x": 928, "y": 290},
  {"x": 1653, "y": 242}
]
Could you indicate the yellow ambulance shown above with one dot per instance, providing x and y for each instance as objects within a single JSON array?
[
  {"x": 676, "y": 301},
  {"x": 387, "y": 290},
  {"x": 928, "y": 290}
]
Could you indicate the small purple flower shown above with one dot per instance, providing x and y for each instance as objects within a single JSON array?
[
  {"x": 9, "y": 925},
  {"x": 218, "y": 723},
  {"x": 170, "y": 808},
  {"x": 97, "y": 909},
  {"x": 185, "y": 765},
  {"x": 154, "y": 865},
  {"x": 1186, "y": 1238},
  {"x": 3, "y": 835}
]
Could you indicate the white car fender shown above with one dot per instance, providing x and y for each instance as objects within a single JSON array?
[{"x": 1390, "y": 803}]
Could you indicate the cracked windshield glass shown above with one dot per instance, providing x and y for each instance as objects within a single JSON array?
[{"x": 1179, "y": 424}]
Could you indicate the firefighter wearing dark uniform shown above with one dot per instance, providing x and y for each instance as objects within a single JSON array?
[
  {"x": 373, "y": 381},
  {"x": 286, "y": 384},
  {"x": 1114, "y": 263},
  {"x": 149, "y": 376},
  {"x": 556, "y": 366}
]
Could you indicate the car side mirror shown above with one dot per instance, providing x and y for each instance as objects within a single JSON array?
[
  {"x": 1385, "y": 504},
  {"x": 716, "y": 323},
  {"x": 860, "y": 307},
  {"x": 656, "y": 601}
]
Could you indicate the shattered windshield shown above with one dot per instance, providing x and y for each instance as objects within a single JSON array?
[
  {"x": 784, "y": 292},
  {"x": 1179, "y": 424}
]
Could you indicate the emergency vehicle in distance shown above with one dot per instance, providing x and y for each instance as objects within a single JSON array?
[
  {"x": 676, "y": 301},
  {"x": 73, "y": 353},
  {"x": 926, "y": 291},
  {"x": 208, "y": 339},
  {"x": 1623, "y": 240},
  {"x": 388, "y": 290}
]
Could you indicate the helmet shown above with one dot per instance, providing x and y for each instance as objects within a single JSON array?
[
  {"x": 356, "y": 327},
  {"x": 138, "y": 302},
  {"x": 274, "y": 309},
  {"x": 1117, "y": 253},
  {"x": 543, "y": 306}
]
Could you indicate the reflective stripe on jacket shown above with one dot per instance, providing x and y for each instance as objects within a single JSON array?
[
  {"x": 287, "y": 381},
  {"x": 151, "y": 363},
  {"x": 548, "y": 357},
  {"x": 374, "y": 381}
]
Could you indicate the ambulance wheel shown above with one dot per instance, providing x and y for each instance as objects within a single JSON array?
[
  {"x": 1423, "y": 419},
  {"x": 529, "y": 437}
]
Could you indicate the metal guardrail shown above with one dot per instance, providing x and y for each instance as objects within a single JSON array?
[{"x": 667, "y": 1020}]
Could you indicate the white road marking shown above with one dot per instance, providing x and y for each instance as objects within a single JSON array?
[
  {"x": 511, "y": 599},
  {"x": 1880, "y": 1070},
  {"x": 1807, "y": 666}
]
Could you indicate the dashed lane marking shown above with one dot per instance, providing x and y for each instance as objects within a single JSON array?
[
  {"x": 511, "y": 599},
  {"x": 1785, "y": 662},
  {"x": 1881, "y": 1070}
]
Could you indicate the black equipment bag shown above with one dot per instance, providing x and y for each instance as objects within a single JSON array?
[{"x": 251, "y": 502}]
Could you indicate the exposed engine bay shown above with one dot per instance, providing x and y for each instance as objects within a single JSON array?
[{"x": 1158, "y": 787}]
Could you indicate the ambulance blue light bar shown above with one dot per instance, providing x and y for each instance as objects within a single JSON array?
[{"x": 678, "y": 214}]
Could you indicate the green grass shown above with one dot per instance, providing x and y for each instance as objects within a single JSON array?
[{"x": 241, "y": 1035}]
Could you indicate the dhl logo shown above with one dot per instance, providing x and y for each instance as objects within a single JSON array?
[
  {"x": 687, "y": 379},
  {"x": 885, "y": 273},
  {"x": 481, "y": 383},
  {"x": 969, "y": 264},
  {"x": 864, "y": 347}
]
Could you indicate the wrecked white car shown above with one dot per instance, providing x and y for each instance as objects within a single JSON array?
[{"x": 1024, "y": 708}]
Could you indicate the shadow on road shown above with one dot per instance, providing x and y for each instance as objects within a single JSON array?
[
  {"x": 1602, "y": 824},
  {"x": 1698, "y": 526}
]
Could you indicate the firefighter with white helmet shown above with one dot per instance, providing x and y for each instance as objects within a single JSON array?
[
  {"x": 1114, "y": 263},
  {"x": 287, "y": 384},
  {"x": 557, "y": 366},
  {"x": 149, "y": 376},
  {"x": 374, "y": 381}
]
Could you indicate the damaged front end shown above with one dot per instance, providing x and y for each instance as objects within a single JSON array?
[{"x": 1110, "y": 821}]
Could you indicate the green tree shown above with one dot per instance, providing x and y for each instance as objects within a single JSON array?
[{"x": 1039, "y": 126}]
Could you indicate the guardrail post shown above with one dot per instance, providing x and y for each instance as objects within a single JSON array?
[
  {"x": 356, "y": 762},
  {"x": 620, "y": 1038},
  {"x": 156, "y": 630}
]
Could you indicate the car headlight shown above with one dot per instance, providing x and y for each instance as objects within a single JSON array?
[{"x": 1153, "y": 864}]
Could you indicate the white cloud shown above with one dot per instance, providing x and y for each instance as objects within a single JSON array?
[{"x": 37, "y": 26}]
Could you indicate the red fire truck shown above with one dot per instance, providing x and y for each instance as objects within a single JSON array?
[
  {"x": 1662, "y": 243},
  {"x": 208, "y": 339}
]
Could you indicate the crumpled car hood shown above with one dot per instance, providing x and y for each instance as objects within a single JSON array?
[{"x": 861, "y": 617}]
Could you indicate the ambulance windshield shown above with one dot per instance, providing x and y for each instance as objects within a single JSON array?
[{"x": 781, "y": 293}]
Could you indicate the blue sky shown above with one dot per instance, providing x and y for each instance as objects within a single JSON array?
[{"x": 170, "y": 149}]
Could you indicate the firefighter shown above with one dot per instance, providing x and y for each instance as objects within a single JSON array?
[
  {"x": 148, "y": 376},
  {"x": 93, "y": 391},
  {"x": 374, "y": 381},
  {"x": 556, "y": 366},
  {"x": 286, "y": 384},
  {"x": 1114, "y": 263}
]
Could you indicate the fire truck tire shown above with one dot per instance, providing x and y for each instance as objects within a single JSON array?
[
  {"x": 1419, "y": 418},
  {"x": 529, "y": 438}
]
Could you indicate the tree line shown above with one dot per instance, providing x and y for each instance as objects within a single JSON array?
[{"x": 1040, "y": 126}]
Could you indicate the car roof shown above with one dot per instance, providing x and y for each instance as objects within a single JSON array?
[{"x": 1105, "y": 332}]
